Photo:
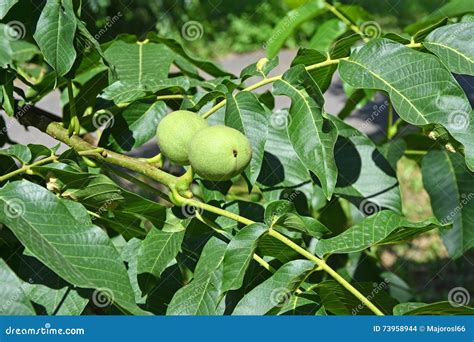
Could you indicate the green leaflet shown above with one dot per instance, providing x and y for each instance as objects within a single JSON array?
[
  {"x": 134, "y": 126},
  {"x": 5, "y": 6},
  {"x": 311, "y": 134},
  {"x": 13, "y": 299},
  {"x": 140, "y": 64},
  {"x": 283, "y": 213},
  {"x": 157, "y": 250},
  {"x": 238, "y": 255},
  {"x": 54, "y": 34},
  {"x": 383, "y": 227},
  {"x": 245, "y": 113},
  {"x": 77, "y": 251},
  {"x": 451, "y": 191},
  {"x": 426, "y": 94},
  {"x": 290, "y": 22},
  {"x": 274, "y": 291},
  {"x": 453, "y": 45},
  {"x": 201, "y": 296},
  {"x": 359, "y": 162}
]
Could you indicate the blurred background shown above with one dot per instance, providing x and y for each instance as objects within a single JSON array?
[{"x": 231, "y": 27}]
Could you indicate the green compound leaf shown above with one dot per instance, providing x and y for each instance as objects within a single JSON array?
[
  {"x": 420, "y": 87},
  {"x": 78, "y": 251}
]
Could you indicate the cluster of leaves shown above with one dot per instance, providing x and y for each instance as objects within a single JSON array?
[{"x": 76, "y": 239}]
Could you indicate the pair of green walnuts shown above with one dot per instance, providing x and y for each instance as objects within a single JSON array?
[{"x": 216, "y": 153}]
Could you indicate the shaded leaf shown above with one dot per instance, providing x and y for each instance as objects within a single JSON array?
[
  {"x": 238, "y": 255},
  {"x": 209, "y": 67},
  {"x": 201, "y": 296},
  {"x": 60, "y": 302},
  {"x": 134, "y": 126},
  {"x": 337, "y": 300},
  {"x": 359, "y": 162},
  {"x": 274, "y": 290},
  {"x": 20, "y": 152},
  {"x": 283, "y": 213},
  {"x": 451, "y": 190},
  {"x": 157, "y": 250},
  {"x": 13, "y": 298}
]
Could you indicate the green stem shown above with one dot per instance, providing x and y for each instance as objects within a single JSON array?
[
  {"x": 55, "y": 130},
  {"x": 327, "y": 269},
  {"x": 26, "y": 168},
  {"x": 172, "y": 97},
  {"x": 415, "y": 152},
  {"x": 345, "y": 20},
  {"x": 290, "y": 244}
]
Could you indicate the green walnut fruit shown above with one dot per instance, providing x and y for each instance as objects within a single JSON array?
[
  {"x": 174, "y": 134},
  {"x": 219, "y": 153}
]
